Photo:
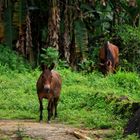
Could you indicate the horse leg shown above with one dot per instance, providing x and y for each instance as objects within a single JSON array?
[
  {"x": 55, "y": 105},
  {"x": 50, "y": 109},
  {"x": 41, "y": 109}
]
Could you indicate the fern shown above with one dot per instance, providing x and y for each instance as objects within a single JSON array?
[{"x": 49, "y": 56}]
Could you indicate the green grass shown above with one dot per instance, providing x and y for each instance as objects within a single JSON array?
[{"x": 87, "y": 101}]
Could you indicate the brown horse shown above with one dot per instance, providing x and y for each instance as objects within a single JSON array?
[
  {"x": 109, "y": 58},
  {"x": 49, "y": 87}
]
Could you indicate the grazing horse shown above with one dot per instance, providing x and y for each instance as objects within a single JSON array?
[
  {"x": 109, "y": 58},
  {"x": 49, "y": 87}
]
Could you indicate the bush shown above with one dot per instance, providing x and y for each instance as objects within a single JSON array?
[
  {"x": 49, "y": 56},
  {"x": 130, "y": 47},
  {"x": 11, "y": 60}
]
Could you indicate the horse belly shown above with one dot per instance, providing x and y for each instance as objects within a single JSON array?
[
  {"x": 102, "y": 55},
  {"x": 45, "y": 95},
  {"x": 115, "y": 53}
]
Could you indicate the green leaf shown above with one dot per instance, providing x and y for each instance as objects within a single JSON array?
[{"x": 49, "y": 56}]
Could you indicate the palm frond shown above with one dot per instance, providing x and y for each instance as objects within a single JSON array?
[{"x": 81, "y": 36}]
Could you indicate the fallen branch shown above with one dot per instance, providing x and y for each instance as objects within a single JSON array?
[{"x": 80, "y": 135}]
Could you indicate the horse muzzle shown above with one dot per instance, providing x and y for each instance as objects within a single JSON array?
[{"x": 46, "y": 89}]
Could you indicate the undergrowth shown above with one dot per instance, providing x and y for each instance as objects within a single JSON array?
[{"x": 87, "y": 101}]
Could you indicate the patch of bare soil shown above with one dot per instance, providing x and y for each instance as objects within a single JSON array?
[{"x": 25, "y": 130}]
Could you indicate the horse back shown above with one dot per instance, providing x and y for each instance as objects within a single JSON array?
[
  {"x": 115, "y": 52},
  {"x": 109, "y": 51},
  {"x": 56, "y": 83}
]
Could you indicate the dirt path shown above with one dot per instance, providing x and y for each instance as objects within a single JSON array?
[{"x": 31, "y": 130}]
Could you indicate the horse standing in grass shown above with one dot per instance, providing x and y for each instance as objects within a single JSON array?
[
  {"x": 49, "y": 87},
  {"x": 109, "y": 58}
]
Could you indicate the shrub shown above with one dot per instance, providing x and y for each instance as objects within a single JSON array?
[
  {"x": 49, "y": 56},
  {"x": 130, "y": 47},
  {"x": 11, "y": 60}
]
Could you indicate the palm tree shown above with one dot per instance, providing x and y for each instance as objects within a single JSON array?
[
  {"x": 66, "y": 32},
  {"x": 53, "y": 24},
  {"x": 19, "y": 22},
  {"x": 75, "y": 34}
]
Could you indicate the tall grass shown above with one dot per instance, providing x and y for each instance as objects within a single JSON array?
[{"x": 85, "y": 99}]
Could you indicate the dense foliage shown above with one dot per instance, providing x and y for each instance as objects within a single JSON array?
[
  {"x": 76, "y": 28},
  {"x": 49, "y": 56},
  {"x": 129, "y": 47},
  {"x": 9, "y": 60}
]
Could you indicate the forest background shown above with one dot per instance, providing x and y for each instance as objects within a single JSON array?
[{"x": 75, "y": 28}]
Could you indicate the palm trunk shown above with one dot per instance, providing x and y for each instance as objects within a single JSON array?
[
  {"x": 73, "y": 54},
  {"x": 1, "y": 21},
  {"x": 53, "y": 25},
  {"x": 8, "y": 23},
  {"x": 29, "y": 44},
  {"x": 66, "y": 42}
]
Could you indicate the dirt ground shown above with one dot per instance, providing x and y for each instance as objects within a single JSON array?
[{"x": 31, "y": 130}]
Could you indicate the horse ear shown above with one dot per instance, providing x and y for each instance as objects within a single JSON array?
[
  {"x": 43, "y": 67},
  {"x": 52, "y": 66}
]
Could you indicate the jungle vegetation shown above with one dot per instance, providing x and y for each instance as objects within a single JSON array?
[
  {"x": 76, "y": 28},
  {"x": 70, "y": 32}
]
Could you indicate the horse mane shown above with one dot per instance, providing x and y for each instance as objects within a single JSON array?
[{"x": 108, "y": 53}]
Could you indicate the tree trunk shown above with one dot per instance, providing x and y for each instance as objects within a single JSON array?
[
  {"x": 1, "y": 21},
  {"x": 66, "y": 34},
  {"x": 53, "y": 25},
  {"x": 29, "y": 44},
  {"x": 8, "y": 23},
  {"x": 73, "y": 54}
]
